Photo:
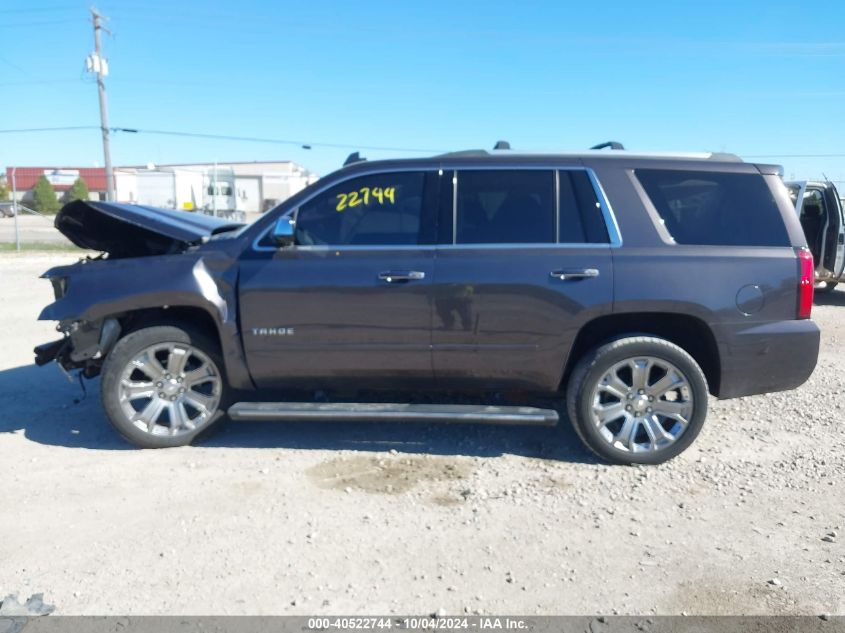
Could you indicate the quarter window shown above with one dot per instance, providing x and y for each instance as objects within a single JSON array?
[
  {"x": 581, "y": 220},
  {"x": 379, "y": 209},
  {"x": 498, "y": 206},
  {"x": 715, "y": 209}
]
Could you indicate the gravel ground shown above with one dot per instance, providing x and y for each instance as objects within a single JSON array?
[{"x": 355, "y": 518}]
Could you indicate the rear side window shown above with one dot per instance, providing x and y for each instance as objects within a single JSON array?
[
  {"x": 505, "y": 207},
  {"x": 581, "y": 220},
  {"x": 715, "y": 209},
  {"x": 375, "y": 210}
]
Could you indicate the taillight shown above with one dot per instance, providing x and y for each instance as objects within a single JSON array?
[{"x": 805, "y": 286}]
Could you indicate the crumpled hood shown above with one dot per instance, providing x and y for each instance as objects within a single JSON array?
[{"x": 130, "y": 230}]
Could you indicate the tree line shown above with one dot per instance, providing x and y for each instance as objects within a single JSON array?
[{"x": 44, "y": 198}]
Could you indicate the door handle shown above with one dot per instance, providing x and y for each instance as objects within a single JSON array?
[
  {"x": 392, "y": 276},
  {"x": 583, "y": 273}
]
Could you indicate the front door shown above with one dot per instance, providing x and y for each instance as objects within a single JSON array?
[
  {"x": 350, "y": 300},
  {"x": 530, "y": 263}
]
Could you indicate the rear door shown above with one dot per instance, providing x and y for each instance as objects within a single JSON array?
[
  {"x": 525, "y": 263},
  {"x": 350, "y": 301}
]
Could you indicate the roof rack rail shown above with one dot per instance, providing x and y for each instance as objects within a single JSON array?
[
  {"x": 726, "y": 156},
  {"x": 465, "y": 153},
  {"x": 354, "y": 157},
  {"x": 610, "y": 144}
]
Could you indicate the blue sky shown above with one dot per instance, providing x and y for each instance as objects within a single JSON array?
[{"x": 761, "y": 79}]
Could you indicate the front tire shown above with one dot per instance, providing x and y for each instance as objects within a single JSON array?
[
  {"x": 163, "y": 386},
  {"x": 637, "y": 400}
]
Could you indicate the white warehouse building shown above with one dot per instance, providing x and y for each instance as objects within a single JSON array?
[{"x": 221, "y": 188}]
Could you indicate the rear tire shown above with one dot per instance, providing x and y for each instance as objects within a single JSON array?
[
  {"x": 824, "y": 287},
  {"x": 637, "y": 400},
  {"x": 163, "y": 386}
]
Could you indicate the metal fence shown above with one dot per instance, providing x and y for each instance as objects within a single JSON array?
[
  {"x": 26, "y": 225},
  {"x": 22, "y": 227}
]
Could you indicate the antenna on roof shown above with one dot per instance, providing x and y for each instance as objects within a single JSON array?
[
  {"x": 610, "y": 144},
  {"x": 502, "y": 145},
  {"x": 354, "y": 157}
]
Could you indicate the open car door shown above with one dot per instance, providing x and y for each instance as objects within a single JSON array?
[{"x": 820, "y": 212}]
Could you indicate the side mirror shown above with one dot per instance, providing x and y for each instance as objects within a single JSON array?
[{"x": 283, "y": 232}]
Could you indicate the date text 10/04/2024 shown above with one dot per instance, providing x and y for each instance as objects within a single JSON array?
[{"x": 418, "y": 623}]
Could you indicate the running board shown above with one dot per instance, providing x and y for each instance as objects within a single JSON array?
[{"x": 379, "y": 412}]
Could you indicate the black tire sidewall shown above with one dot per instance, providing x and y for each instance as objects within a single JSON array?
[
  {"x": 123, "y": 352},
  {"x": 595, "y": 365}
]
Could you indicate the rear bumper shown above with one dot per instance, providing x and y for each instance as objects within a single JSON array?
[{"x": 771, "y": 357}]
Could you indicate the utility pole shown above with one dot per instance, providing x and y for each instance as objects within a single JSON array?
[
  {"x": 96, "y": 64},
  {"x": 214, "y": 189}
]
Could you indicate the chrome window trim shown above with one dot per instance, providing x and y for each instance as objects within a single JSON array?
[
  {"x": 531, "y": 245},
  {"x": 613, "y": 232},
  {"x": 323, "y": 248},
  {"x": 614, "y": 235}
]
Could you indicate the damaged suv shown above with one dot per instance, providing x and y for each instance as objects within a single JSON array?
[{"x": 618, "y": 287}]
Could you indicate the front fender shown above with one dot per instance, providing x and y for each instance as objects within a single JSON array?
[{"x": 94, "y": 290}]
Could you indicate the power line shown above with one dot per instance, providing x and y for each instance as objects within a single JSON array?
[
  {"x": 793, "y": 155},
  {"x": 43, "y": 9},
  {"x": 39, "y": 82},
  {"x": 308, "y": 144},
  {"x": 50, "y": 129},
  {"x": 254, "y": 139},
  {"x": 10, "y": 25},
  {"x": 225, "y": 137}
]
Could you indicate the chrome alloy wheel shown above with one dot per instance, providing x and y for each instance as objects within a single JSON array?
[
  {"x": 642, "y": 404},
  {"x": 170, "y": 389}
]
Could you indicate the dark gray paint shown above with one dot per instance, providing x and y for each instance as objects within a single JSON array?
[
  {"x": 347, "y": 322},
  {"x": 512, "y": 325},
  {"x": 482, "y": 316}
]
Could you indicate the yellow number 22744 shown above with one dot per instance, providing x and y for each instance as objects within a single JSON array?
[{"x": 365, "y": 196}]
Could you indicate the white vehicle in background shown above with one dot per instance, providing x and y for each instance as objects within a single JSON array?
[
  {"x": 820, "y": 210},
  {"x": 220, "y": 197}
]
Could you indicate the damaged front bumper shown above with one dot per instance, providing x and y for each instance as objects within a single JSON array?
[
  {"x": 84, "y": 346},
  {"x": 48, "y": 352}
]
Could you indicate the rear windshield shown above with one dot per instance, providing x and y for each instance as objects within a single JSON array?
[{"x": 715, "y": 209}]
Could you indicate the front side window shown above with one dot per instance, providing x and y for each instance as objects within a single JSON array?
[
  {"x": 505, "y": 207},
  {"x": 375, "y": 210},
  {"x": 714, "y": 208}
]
